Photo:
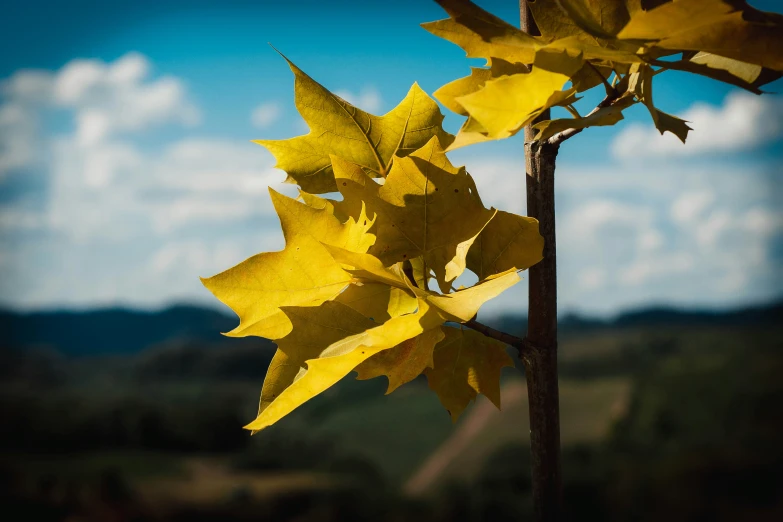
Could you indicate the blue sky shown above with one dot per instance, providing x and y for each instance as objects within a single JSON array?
[{"x": 126, "y": 168}]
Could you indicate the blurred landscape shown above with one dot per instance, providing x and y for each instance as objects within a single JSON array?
[{"x": 119, "y": 415}]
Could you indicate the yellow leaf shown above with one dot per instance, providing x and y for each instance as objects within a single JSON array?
[
  {"x": 589, "y": 76},
  {"x": 604, "y": 116},
  {"x": 466, "y": 364},
  {"x": 339, "y": 358},
  {"x": 747, "y": 72},
  {"x": 478, "y": 77},
  {"x": 505, "y": 105},
  {"x": 322, "y": 203},
  {"x": 370, "y": 299},
  {"x": 302, "y": 274},
  {"x": 458, "y": 306},
  {"x": 337, "y": 127},
  {"x": 481, "y": 34},
  {"x": 471, "y": 133},
  {"x": 508, "y": 241},
  {"x": 640, "y": 84},
  {"x": 301, "y": 219},
  {"x": 584, "y": 19},
  {"x": 722, "y": 27},
  {"x": 626, "y": 53},
  {"x": 404, "y": 362},
  {"x": 314, "y": 329},
  {"x": 420, "y": 273},
  {"x": 426, "y": 207}
]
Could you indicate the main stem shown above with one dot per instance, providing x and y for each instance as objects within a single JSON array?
[{"x": 540, "y": 359}]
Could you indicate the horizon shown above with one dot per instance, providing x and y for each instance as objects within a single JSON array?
[{"x": 563, "y": 315}]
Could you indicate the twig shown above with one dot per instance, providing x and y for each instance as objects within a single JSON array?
[
  {"x": 517, "y": 342},
  {"x": 560, "y": 137}
]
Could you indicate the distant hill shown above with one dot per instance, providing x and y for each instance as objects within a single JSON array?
[
  {"x": 112, "y": 330},
  {"x": 122, "y": 331},
  {"x": 654, "y": 316}
]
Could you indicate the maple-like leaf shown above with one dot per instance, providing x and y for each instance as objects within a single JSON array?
[
  {"x": 339, "y": 128},
  {"x": 466, "y": 363},
  {"x": 404, "y": 362},
  {"x": 722, "y": 27},
  {"x": 314, "y": 330},
  {"x": 482, "y": 34},
  {"x": 588, "y": 21},
  {"x": 459, "y": 306},
  {"x": 507, "y": 104},
  {"x": 430, "y": 210},
  {"x": 640, "y": 84},
  {"x": 426, "y": 207},
  {"x": 449, "y": 93},
  {"x": 302, "y": 274},
  {"x": 508, "y": 241},
  {"x": 336, "y": 358}
]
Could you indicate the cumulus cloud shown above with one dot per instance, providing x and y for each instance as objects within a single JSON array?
[
  {"x": 368, "y": 99},
  {"x": 634, "y": 234},
  {"x": 265, "y": 114},
  {"x": 107, "y": 98},
  {"x": 743, "y": 122},
  {"x": 119, "y": 221}
]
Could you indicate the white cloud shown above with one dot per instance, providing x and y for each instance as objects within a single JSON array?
[
  {"x": 107, "y": 98},
  {"x": 690, "y": 206},
  {"x": 266, "y": 114},
  {"x": 17, "y": 138},
  {"x": 368, "y": 99},
  {"x": 743, "y": 122},
  {"x": 121, "y": 222}
]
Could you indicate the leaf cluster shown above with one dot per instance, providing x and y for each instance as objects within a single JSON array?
[
  {"x": 618, "y": 44},
  {"x": 365, "y": 282}
]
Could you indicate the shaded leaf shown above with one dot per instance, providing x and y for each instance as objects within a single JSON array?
[
  {"x": 640, "y": 84},
  {"x": 465, "y": 364},
  {"x": 481, "y": 34},
  {"x": 404, "y": 362},
  {"x": 729, "y": 29},
  {"x": 458, "y": 306},
  {"x": 508, "y": 241},
  {"x": 426, "y": 207}
]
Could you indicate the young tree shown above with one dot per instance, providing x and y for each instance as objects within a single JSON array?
[{"x": 365, "y": 283}]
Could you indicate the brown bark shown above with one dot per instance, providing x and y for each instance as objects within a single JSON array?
[{"x": 540, "y": 358}]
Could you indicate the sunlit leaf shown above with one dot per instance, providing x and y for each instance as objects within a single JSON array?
[
  {"x": 426, "y": 207},
  {"x": 337, "y": 358},
  {"x": 337, "y": 127}
]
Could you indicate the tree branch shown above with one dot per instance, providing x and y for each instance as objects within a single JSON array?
[
  {"x": 560, "y": 137},
  {"x": 517, "y": 342}
]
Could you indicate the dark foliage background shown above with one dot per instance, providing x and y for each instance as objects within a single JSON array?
[{"x": 120, "y": 415}]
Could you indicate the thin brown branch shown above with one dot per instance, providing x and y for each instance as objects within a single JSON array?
[
  {"x": 560, "y": 137},
  {"x": 517, "y": 342}
]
